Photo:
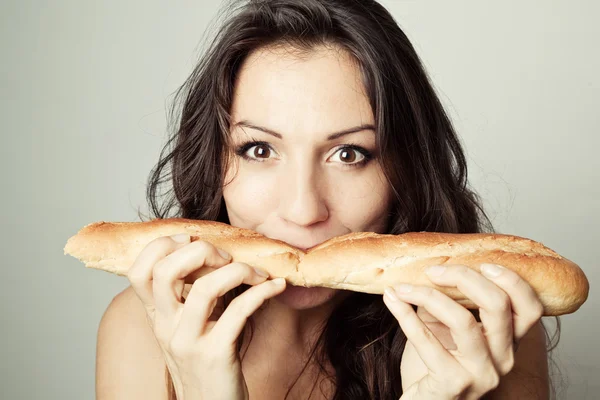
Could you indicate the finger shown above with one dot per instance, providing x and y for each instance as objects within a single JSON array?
[
  {"x": 426, "y": 316},
  {"x": 525, "y": 303},
  {"x": 140, "y": 273},
  {"x": 437, "y": 359},
  {"x": 229, "y": 326},
  {"x": 464, "y": 328},
  {"x": 494, "y": 307},
  {"x": 170, "y": 272},
  {"x": 205, "y": 292}
]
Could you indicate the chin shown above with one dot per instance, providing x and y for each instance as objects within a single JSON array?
[{"x": 302, "y": 298}]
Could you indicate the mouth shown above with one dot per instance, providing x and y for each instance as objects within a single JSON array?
[
  {"x": 291, "y": 243},
  {"x": 299, "y": 246},
  {"x": 304, "y": 248}
]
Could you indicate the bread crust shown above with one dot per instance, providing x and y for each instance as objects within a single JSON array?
[{"x": 359, "y": 261}]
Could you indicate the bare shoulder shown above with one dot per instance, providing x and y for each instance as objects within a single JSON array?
[{"x": 129, "y": 362}]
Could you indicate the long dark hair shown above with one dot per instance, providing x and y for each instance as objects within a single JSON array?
[{"x": 421, "y": 156}]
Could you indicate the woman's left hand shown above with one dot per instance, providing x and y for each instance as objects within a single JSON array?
[{"x": 461, "y": 358}]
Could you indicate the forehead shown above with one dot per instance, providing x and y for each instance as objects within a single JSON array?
[{"x": 284, "y": 89}]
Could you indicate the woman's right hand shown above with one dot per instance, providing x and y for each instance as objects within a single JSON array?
[{"x": 200, "y": 353}]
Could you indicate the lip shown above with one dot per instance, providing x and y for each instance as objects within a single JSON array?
[
  {"x": 301, "y": 247},
  {"x": 305, "y": 248}
]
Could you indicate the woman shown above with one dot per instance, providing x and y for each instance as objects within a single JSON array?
[{"x": 307, "y": 120}]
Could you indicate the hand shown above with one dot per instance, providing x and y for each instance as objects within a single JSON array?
[
  {"x": 461, "y": 358},
  {"x": 200, "y": 352}
]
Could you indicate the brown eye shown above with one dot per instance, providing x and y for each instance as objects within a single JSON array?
[
  {"x": 255, "y": 151},
  {"x": 348, "y": 155},
  {"x": 261, "y": 151},
  {"x": 351, "y": 156}
]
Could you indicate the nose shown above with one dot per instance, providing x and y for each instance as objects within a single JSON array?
[{"x": 301, "y": 196}]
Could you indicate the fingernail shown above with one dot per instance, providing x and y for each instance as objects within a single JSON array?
[
  {"x": 261, "y": 272},
  {"x": 390, "y": 293},
  {"x": 404, "y": 288},
  {"x": 224, "y": 254},
  {"x": 279, "y": 281},
  {"x": 491, "y": 270},
  {"x": 181, "y": 238},
  {"x": 436, "y": 270}
]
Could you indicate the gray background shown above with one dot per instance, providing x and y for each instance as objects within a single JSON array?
[{"x": 85, "y": 86}]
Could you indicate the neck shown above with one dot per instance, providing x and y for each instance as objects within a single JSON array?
[{"x": 281, "y": 345}]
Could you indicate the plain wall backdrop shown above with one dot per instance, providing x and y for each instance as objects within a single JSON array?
[{"x": 85, "y": 87}]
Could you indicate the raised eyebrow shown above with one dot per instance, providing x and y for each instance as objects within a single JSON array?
[{"x": 333, "y": 136}]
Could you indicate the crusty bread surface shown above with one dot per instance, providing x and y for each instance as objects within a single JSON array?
[{"x": 359, "y": 261}]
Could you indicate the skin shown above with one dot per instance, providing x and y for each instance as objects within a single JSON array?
[
  {"x": 303, "y": 189},
  {"x": 295, "y": 189},
  {"x": 463, "y": 358}
]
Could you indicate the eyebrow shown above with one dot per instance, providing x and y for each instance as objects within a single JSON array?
[{"x": 332, "y": 136}]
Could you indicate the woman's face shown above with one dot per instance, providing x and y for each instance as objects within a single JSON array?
[{"x": 304, "y": 182}]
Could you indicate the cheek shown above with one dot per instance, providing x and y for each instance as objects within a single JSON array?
[
  {"x": 362, "y": 198},
  {"x": 251, "y": 194},
  {"x": 358, "y": 201}
]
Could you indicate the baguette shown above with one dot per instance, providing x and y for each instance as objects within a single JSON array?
[{"x": 359, "y": 261}]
